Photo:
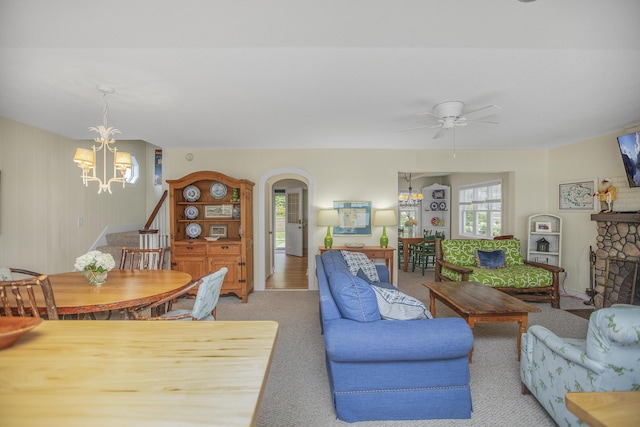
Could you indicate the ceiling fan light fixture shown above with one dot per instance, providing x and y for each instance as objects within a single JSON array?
[{"x": 449, "y": 109}]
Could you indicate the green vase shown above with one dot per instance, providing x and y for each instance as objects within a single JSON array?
[
  {"x": 328, "y": 240},
  {"x": 384, "y": 240}
]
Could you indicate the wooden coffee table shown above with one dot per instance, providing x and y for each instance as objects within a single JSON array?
[{"x": 476, "y": 303}]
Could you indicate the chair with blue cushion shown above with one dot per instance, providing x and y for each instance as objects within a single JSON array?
[
  {"x": 607, "y": 360},
  {"x": 204, "y": 305}
]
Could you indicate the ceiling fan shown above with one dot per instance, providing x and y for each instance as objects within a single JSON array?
[{"x": 450, "y": 114}]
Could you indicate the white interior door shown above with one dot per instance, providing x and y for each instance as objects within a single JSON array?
[{"x": 294, "y": 227}]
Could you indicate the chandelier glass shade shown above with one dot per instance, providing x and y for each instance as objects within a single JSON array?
[
  {"x": 86, "y": 158},
  {"x": 411, "y": 198}
]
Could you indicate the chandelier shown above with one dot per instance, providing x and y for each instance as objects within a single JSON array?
[
  {"x": 86, "y": 159},
  {"x": 411, "y": 199}
]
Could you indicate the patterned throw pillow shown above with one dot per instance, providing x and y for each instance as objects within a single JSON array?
[
  {"x": 394, "y": 305},
  {"x": 490, "y": 259},
  {"x": 357, "y": 261}
]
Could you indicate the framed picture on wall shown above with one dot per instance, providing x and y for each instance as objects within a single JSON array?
[
  {"x": 578, "y": 195},
  {"x": 355, "y": 218}
]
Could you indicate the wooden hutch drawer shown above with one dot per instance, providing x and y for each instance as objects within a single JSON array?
[
  {"x": 223, "y": 249},
  {"x": 190, "y": 249}
]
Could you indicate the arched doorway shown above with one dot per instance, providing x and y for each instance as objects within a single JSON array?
[{"x": 266, "y": 256}]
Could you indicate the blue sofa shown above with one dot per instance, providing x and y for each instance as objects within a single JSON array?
[{"x": 389, "y": 369}]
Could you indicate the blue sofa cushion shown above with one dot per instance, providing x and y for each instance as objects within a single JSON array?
[
  {"x": 332, "y": 261},
  {"x": 354, "y": 297},
  {"x": 359, "y": 261},
  {"x": 361, "y": 274},
  {"x": 490, "y": 259},
  {"x": 395, "y": 305}
]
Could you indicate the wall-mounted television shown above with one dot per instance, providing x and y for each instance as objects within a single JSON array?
[{"x": 630, "y": 149}]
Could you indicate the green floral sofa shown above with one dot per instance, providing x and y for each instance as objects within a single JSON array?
[
  {"x": 456, "y": 261},
  {"x": 607, "y": 360}
]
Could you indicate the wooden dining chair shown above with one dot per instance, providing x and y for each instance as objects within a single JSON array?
[
  {"x": 27, "y": 306},
  {"x": 204, "y": 304},
  {"x": 142, "y": 259}
]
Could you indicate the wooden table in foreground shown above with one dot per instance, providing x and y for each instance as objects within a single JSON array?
[
  {"x": 406, "y": 241},
  {"x": 105, "y": 373},
  {"x": 477, "y": 303},
  {"x": 372, "y": 252},
  {"x": 605, "y": 409},
  {"x": 124, "y": 288}
]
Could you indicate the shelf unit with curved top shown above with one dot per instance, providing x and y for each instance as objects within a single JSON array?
[
  {"x": 548, "y": 227},
  {"x": 436, "y": 209},
  {"x": 225, "y": 215}
]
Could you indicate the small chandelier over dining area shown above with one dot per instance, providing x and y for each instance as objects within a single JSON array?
[
  {"x": 410, "y": 199},
  {"x": 86, "y": 159}
]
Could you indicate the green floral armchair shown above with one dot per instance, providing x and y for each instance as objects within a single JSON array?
[
  {"x": 608, "y": 360},
  {"x": 456, "y": 261}
]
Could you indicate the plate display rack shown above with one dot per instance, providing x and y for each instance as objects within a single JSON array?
[
  {"x": 436, "y": 209},
  {"x": 205, "y": 205}
]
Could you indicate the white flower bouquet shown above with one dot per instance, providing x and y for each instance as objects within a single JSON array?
[{"x": 95, "y": 261}]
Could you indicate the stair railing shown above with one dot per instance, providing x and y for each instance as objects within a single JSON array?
[{"x": 154, "y": 234}]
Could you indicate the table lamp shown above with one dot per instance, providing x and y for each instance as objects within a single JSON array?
[
  {"x": 328, "y": 218},
  {"x": 384, "y": 218}
]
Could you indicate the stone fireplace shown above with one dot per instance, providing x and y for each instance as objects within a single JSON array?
[{"x": 617, "y": 259}]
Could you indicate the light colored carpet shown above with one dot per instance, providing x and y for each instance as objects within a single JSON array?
[{"x": 297, "y": 391}]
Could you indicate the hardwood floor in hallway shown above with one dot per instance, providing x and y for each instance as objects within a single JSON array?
[{"x": 290, "y": 272}]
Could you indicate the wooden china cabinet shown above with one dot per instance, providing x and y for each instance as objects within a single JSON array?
[{"x": 212, "y": 227}]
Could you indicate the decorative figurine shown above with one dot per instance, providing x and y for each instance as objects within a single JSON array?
[{"x": 607, "y": 193}]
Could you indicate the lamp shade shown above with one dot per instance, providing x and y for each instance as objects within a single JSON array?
[
  {"x": 123, "y": 159},
  {"x": 84, "y": 157},
  {"x": 385, "y": 217},
  {"x": 328, "y": 217}
]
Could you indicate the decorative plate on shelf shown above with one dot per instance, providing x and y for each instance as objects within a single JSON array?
[
  {"x": 443, "y": 206},
  {"x": 434, "y": 206},
  {"x": 437, "y": 194},
  {"x": 218, "y": 190},
  {"x": 194, "y": 230},
  {"x": 191, "y": 193},
  {"x": 191, "y": 212}
]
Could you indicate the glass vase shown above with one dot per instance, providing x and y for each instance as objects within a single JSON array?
[{"x": 95, "y": 277}]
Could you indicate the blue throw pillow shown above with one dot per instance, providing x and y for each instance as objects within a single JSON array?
[
  {"x": 490, "y": 259},
  {"x": 354, "y": 297}
]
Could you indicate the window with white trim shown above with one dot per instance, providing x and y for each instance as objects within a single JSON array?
[
  {"x": 133, "y": 173},
  {"x": 480, "y": 207}
]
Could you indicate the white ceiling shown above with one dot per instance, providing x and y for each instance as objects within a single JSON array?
[{"x": 321, "y": 74}]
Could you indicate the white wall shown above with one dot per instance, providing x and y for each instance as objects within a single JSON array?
[
  {"x": 368, "y": 175},
  {"x": 42, "y": 197},
  {"x": 596, "y": 158},
  {"x": 41, "y": 194}
]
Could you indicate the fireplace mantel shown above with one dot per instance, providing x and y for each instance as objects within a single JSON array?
[{"x": 617, "y": 217}]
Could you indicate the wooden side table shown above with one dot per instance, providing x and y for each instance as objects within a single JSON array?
[{"x": 372, "y": 252}]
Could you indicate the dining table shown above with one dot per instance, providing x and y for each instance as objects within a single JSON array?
[
  {"x": 406, "y": 243},
  {"x": 105, "y": 373},
  {"x": 123, "y": 289}
]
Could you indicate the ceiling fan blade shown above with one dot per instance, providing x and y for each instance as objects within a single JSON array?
[
  {"x": 440, "y": 133},
  {"x": 482, "y": 112},
  {"x": 420, "y": 127},
  {"x": 487, "y": 123},
  {"x": 427, "y": 113}
]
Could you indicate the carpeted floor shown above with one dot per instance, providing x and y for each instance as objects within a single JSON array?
[
  {"x": 581, "y": 312},
  {"x": 297, "y": 390}
]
